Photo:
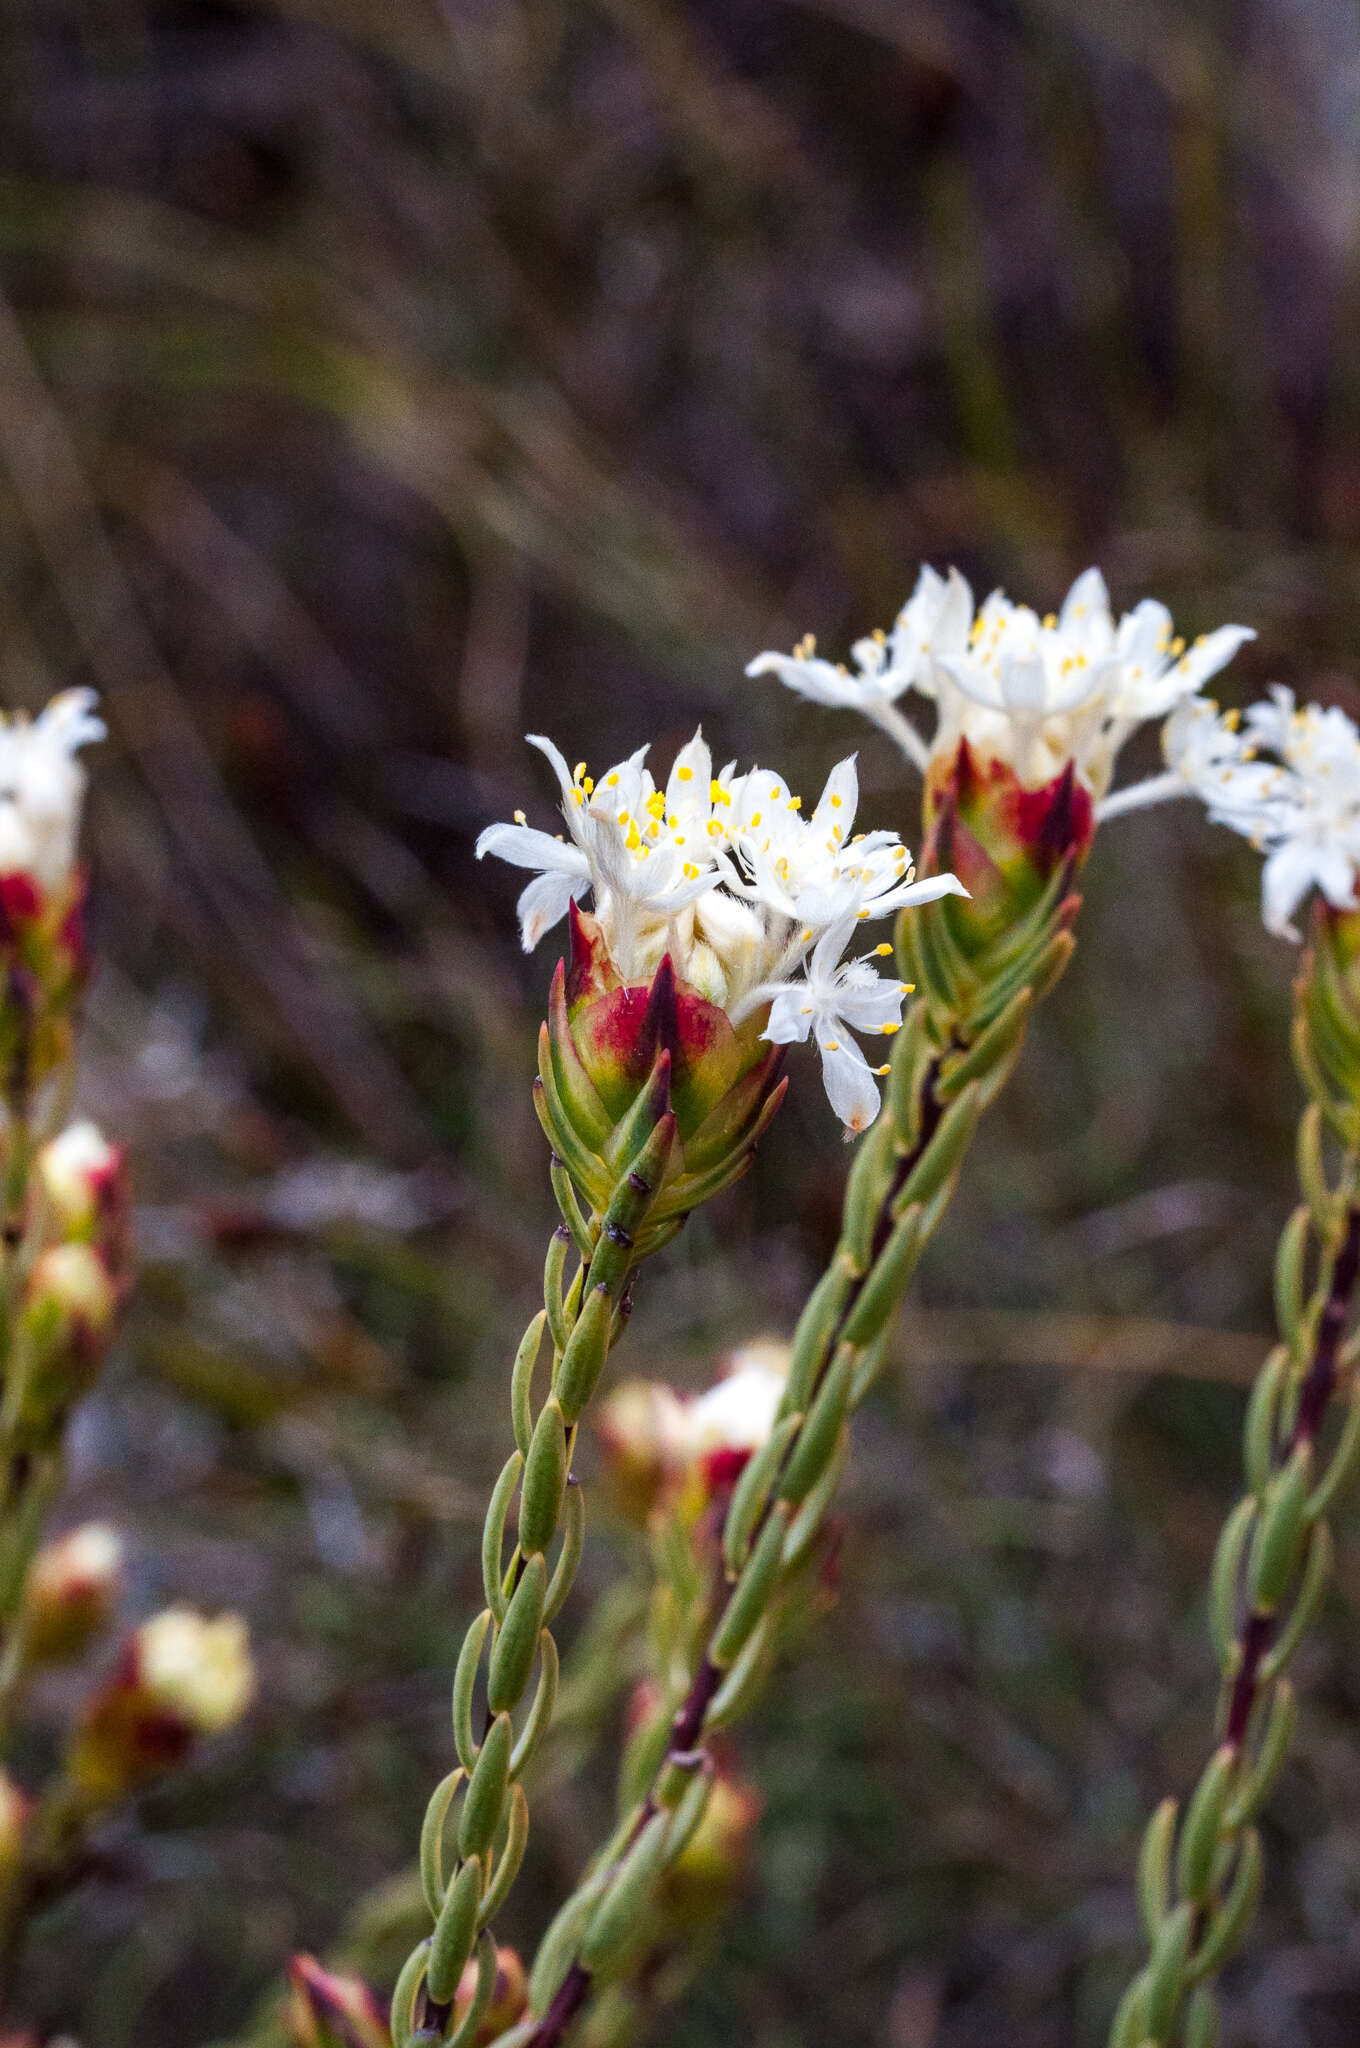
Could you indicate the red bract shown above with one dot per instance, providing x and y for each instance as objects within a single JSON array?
[
  {"x": 615, "y": 1060},
  {"x": 1003, "y": 841}
]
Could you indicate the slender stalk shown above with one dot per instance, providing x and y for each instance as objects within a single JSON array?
[
  {"x": 1201, "y": 1872},
  {"x": 948, "y": 1064}
]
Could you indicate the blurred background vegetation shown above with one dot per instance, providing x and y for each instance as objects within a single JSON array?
[{"x": 379, "y": 378}]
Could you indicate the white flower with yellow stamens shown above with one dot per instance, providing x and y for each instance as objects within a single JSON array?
[
  {"x": 836, "y": 998},
  {"x": 1034, "y": 693},
  {"x": 1288, "y": 779},
  {"x": 720, "y": 872}
]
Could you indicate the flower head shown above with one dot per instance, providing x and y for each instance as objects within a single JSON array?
[
  {"x": 1286, "y": 777},
  {"x": 1035, "y": 693},
  {"x": 42, "y": 786},
  {"x": 720, "y": 874}
]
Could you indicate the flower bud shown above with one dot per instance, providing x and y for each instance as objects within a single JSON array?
[
  {"x": 327, "y": 2009},
  {"x": 72, "y": 1590},
  {"x": 508, "y": 1999},
  {"x": 66, "y": 1319},
  {"x": 1004, "y": 840},
  {"x": 643, "y": 1430},
  {"x": 180, "y": 1676},
  {"x": 84, "y": 1188},
  {"x": 617, "y": 1062},
  {"x": 716, "y": 1858}
]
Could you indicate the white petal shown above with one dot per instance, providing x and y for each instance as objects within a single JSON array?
[
  {"x": 839, "y": 800},
  {"x": 1211, "y": 654},
  {"x": 850, "y": 1087},
  {"x": 791, "y": 1016},
  {"x": 1088, "y": 599},
  {"x": 543, "y": 902},
  {"x": 525, "y": 847}
]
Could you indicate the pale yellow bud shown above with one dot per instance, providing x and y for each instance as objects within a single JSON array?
[
  {"x": 199, "y": 1670},
  {"x": 80, "y": 1175}
]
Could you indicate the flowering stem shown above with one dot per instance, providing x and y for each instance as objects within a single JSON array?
[
  {"x": 1199, "y": 1883},
  {"x": 948, "y": 1064}
]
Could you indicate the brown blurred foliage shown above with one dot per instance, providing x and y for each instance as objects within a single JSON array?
[{"x": 380, "y": 378}]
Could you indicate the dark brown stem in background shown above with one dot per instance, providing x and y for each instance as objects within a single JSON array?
[
  {"x": 1319, "y": 1384},
  {"x": 689, "y": 1719}
]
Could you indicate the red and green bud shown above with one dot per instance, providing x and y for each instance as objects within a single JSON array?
[
  {"x": 72, "y": 1591},
  {"x": 83, "y": 1183},
  {"x": 620, "y": 1065},
  {"x": 509, "y": 1998},
  {"x": 1005, "y": 842},
  {"x": 44, "y": 966},
  {"x": 327, "y": 2009}
]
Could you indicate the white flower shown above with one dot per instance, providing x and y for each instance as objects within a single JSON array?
[
  {"x": 838, "y": 997},
  {"x": 1034, "y": 693},
  {"x": 1301, "y": 808},
  {"x": 199, "y": 1670},
  {"x": 738, "y": 1411},
  {"x": 42, "y": 786},
  {"x": 724, "y": 873}
]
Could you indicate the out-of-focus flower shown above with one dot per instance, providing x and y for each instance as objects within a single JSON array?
[
  {"x": 1287, "y": 777},
  {"x": 83, "y": 1184},
  {"x": 69, "y": 1306},
  {"x": 15, "y": 1811},
  {"x": 42, "y": 788},
  {"x": 733, "y": 1418},
  {"x": 643, "y": 1428},
  {"x": 716, "y": 1858},
  {"x": 1032, "y": 693},
  {"x": 509, "y": 1998},
  {"x": 181, "y": 1676},
  {"x": 719, "y": 875},
  {"x": 329, "y": 2009},
  {"x": 658, "y": 1444},
  {"x": 72, "y": 1589}
]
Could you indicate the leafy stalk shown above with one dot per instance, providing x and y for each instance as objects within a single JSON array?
[{"x": 1200, "y": 1881}]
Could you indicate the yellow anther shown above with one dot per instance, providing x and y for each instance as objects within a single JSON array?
[
  {"x": 755, "y": 819},
  {"x": 579, "y": 770},
  {"x": 1178, "y": 645},
  {"x": 832, "y": 1045},
  {"x": 889, "y": 1029},
  {"x": 835, "y": 803},
  {"x": 1050, "y": 620},
  {"x": 884, "y": 1069},
  {"x": 611, "y": 780},
  {"x": 578, "y": 796},
  {"x": 520, "y": 818},
  {"x": 1232, "y": 719},
  {"x": 634, "y": 839},
  {"x": 862, "y": 915},
  {"x": 656, "y": 804},
  {"x": 884, "y": 950},
  {"x": 880, "y": 636},
  {"x": 795, "y": 803},
  {"x": 684, "y": 775}
]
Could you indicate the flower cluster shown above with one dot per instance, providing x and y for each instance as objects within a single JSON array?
[
  {"x": 753, "y": 904},
  {"x": 1287, "y": 777},
  {"x": 1035, "y": 693}
]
